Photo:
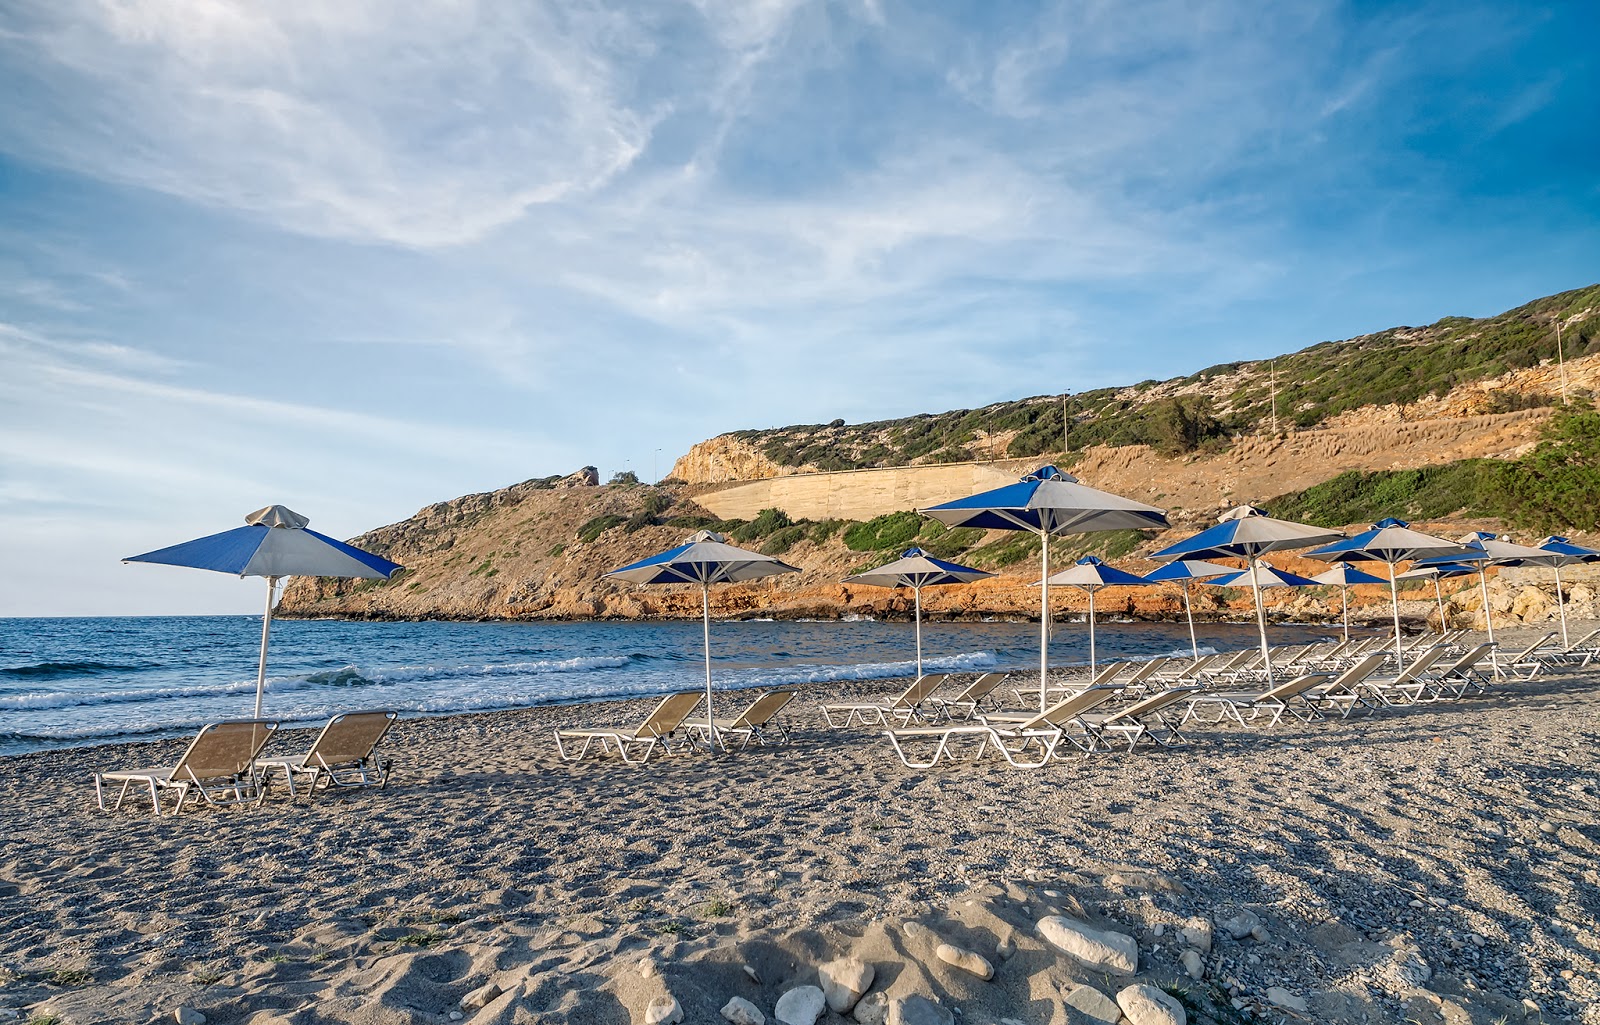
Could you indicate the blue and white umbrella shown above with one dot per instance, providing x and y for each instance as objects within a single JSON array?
[
  {"x": 705, "y": 559},
  {"x": 1562, "y": 552},
  {"x": 1047, "y": 502},
  {"x": 1437, "y": 572},
  {"x": 917, "y": 569},
  {"x": 1344, "y": 576},
  {"x": 1090, "y": 574},
  {"x": 275, "y": 543},
  {"x": 1247, "y": 533},
  {"x": 1390, "y": 541},
  {"x": 1483, "y": 549},
  {"x": 1184, "y": 571}
]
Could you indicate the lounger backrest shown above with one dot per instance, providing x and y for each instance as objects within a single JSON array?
[
  {"x": 1360, "y": 671},
  {"x": 1298, "y": 685},
  {"x": 1530, "y": 649},
  {"x": 981, "y": 688},
  {"x": 668, "y": 715},
  {"x": 1147, "y": 670},
  {"x": 1153, "y": 703},
  {"x": 1423, "y": 663},
  {"x": 1076, "y": 705},
  {"x": 350, "y": 737},
  {"x": 1468, "y": 660},
  {"x": 919, "y": 690},
  {"x": 763, "y": 708},
  {"x": 224, "y": 749},
  {"x": 1578, "y": 644}
]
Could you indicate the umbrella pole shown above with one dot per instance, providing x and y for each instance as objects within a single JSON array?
[
  {"x": 917, "y": 592},
  {"x": 1394, "y": 601},
  {"x": 1194, "y": 645},
  {"x": 1044, "y": 616},
  {"x": 1488, "y": 617},
  {"x": 1091, "y": 633},
  {"x": 1438, "y": 597},
  {"x": 1561, "y": 603},
  {"x": 1261, "y": 619},
  {"x": 705, "y": 609},
  {"x": 266, "y": 628},
  {"x": 1344, "y": 606}
]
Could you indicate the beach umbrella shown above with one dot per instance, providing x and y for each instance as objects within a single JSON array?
[
  {"x": 1247, "y": 533},
  {"x": 1389, "y": 541},
  {"x": 1090, "y": 574},
  {"x": 1561, "y": 552},
  {"x": 1262, "y": 574},
  {"x": 917, "y": 569},
  {"x": 1343, "y": 575},
  {"x": 1436, "y": 573},
  {"x": 704, "y": 559},
  {"x": 1184, "y": 571},
  {"x": 1047, "y": 502},
  {"x": 275, "y": 543},
  {"x": 1482, "y": 549}
]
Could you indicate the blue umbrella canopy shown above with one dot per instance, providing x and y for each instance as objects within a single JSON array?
[
  {"x": 274, "y": 543},
  {"x": 1563, "y": 552},
  {"x": 1483, "y": 549},
  {"x": 1091, "y": 574},
  {"x": 1047, "y": 502},
  {"x": 917, "y": 569},
  {"x": 1183, "y": 571},
  {"x": 1262, "y": 574},
  {"x": 1389, "y": 541},
  {"x": 1437, "y": 571},
  {"x": 705, "y": 559},
  {"x": 1344, "y": 576}
]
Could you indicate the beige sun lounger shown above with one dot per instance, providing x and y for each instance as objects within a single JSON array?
[
  {"x": 638, "y": 744},
  {"x": 1410, "y": 684},
  {"x": 1142, "y": 720},
  {"x": 1103, "y": 677},
  {"x": 340, "y": 757},
  {"x": 759, "y": 724},
  {"x": 1025, "y": 742},
  {"x": 1343, "y": 692},
  {"x": 218, "y": 765},
  {"x": 965, "y": 705},
  {"x": 1273, "y": 703},
  {"x": 904, "y": 708}
]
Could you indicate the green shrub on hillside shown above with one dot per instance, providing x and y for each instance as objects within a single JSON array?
[
  {"x": 767, "y": 521},
  {"x": 883, "y": 533},
  {"x": 1557, "y": 485},
  {"x": 597, "y": 526}
]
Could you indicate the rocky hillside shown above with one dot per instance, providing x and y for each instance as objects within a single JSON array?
[{"x": 539, "y": 549}]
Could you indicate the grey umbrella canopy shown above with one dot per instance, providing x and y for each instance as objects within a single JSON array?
[
  {"x": 275, "y": 542},
  {"x": 1047, "y": 502},
  {"x": 917, "y": 569},
  {"x": 1247, "y": 533},
  {"x": 1390, "y": 541},
  {"x": 1184, "y": 571},
  {"x": 1343, "y": 576},
  {"x": 1090, "y": 574},
  {"x": 705, "y": 559}
]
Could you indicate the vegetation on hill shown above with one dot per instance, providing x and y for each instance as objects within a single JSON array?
[{"x": 1206, "y": 408}]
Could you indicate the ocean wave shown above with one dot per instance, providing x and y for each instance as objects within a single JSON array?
[
  {"x": 968, "y": 662},
  {"x": 48, "y": 670}
]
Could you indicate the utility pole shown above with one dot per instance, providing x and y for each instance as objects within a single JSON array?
[
  {"x": 1561, "y": 360},
  {"x": 1065, "y": 427},
  {"x": 1274, "y": 372}
]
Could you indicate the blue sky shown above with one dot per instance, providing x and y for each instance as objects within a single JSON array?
[{"x": 357, "y": 257}]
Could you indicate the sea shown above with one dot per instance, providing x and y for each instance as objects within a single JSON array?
[{"x": 76, "y": 682}]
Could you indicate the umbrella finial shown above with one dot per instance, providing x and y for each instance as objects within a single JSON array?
[
  {"x": 1091, "y": 560},
  {"x": 706, "y": 535},
  {"x": 277, "y": 516},
  {"x": 1239, "y": 512},
  {"x": 1391, "y": 521},
  {"x": 912, "y": 552},
  {"x": 1050, "y": 473}
]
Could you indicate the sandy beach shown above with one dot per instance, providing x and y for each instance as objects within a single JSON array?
[{"x": 1434, "y": 863}]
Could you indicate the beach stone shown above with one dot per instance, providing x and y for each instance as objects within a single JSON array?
[
  {"x": 1091, "y": 1004},
  {"x": 1260, "y": 934},
  {"x": 918, "y": 1010},
  {"x": 1005, "y": 948},
  {"x": 755, "y": 976},
  {"x": 966, "y": 960},
  {"x": 188, "y": 1016},
  {"x": 1101, "y": 949},
  {"x": 844, "y": 981},
  {"x": 647, "y": 969},
  {"x": 666, "y": 1011},
  {"x": 742, "y": 1012},
  {"x": 1285, "y": 999},
  {"x": 1146, "y": 881},
  {"x": 1240, "y": 925},
  {"x": 1197, "y": 933},
  {"x": 915, "y": 930},
  {"x": 1193, "y": 963},
  {"x": 802, "y": 1005},
  {"x": 1146, "y": 1005},
  {"x": 872, "y": 1009},
  {"x": 480, "y": 997}
]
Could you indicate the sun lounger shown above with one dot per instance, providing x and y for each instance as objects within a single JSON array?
[
  {"x": 978, "y": 694},
  {"x": 1102, "y": 678},
  {"x": 1025, "y": 742},
  {"x": 340, "y": 757},
  {"x": 1455, "y": 679},
  {"x": 1143, "y": 720},
  {"x": 1410, "y": 684},
  {"x": 1343, "y": 692},
  {"x": 1274, "y": 702},
  {"x": 638, "y": 744},
  {"x": 759, "y": 724},
  {"x": 1579, "y": 653},
  {"x": 218, "y": 766},
  {"x": 1525, "y": 664},
  {"x": 903, "y": 709}
]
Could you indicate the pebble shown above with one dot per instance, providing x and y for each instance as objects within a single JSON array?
[
  {"x": 1240, "y": 925},
  {"x": 967, "y": 960},
  {"x": 844, "y": 981},
  {"x": 480, "y": 997},
  {"x": 188, "y": 1016},
  {"x": 740, "y": 1011},
  {"x": 918, "y": 1010},
  {"x": 1092, "y": 1004},
  {"x": 872, "y": 1009},
  {"x": 1193, "y": 964},
  {"x": 1144, "y": 1004},
  {"x": 1285, "y": 999},
  {"x": 1197, "y": 933},
  {"x": 802, "y": 1005},
  {"x": 1101, "y": 949},
  {"x": 667, "y": 1011}
]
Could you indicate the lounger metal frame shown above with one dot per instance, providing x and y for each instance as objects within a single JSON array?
[{"x": 217, "y": 766}]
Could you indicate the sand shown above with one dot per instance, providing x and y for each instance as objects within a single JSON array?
[{"x": 1427, "y": 864}]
